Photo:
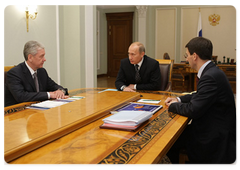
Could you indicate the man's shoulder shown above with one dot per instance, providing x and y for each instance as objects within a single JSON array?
[
  {"x": 150, "y": 60},
  {"x": 42, "y": 71},
  {"x": 18, "y": 68}
]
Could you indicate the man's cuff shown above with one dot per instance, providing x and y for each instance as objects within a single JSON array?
[
  {"x": 123, "y": 87},
  {"x": 179, "y": 100},
  {"x": 48, "y": 95}
]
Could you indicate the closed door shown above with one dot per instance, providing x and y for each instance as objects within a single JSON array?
[{"x": 119, "y": 27}]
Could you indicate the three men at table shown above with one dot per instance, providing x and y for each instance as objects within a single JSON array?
[
  {"x": 211, "y": 136},
  {"x": 138, "y": 71},
  {"x": 21, "y": 83}
]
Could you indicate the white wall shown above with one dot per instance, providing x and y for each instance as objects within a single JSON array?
[
  {"x": 70, "y": 46},
  {"x": 42, "y": 29},
  {"x": 223, "y": 35},
  {"x": 166, "y": 32},
  {"x": 62, "y": 30},
  {"x": 77, "y": 26}
]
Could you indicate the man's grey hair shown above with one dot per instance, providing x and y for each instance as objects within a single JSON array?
[{"x": 31, "y": 47}]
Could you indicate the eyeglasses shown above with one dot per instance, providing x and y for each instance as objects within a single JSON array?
[{"x": 185, "y": 55}]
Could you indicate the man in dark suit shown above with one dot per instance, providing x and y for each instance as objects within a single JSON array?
[
  {"x": 211, "y": 136},
  {"x": 138, "y": 71},
  {"x": 22, "y": 86}
]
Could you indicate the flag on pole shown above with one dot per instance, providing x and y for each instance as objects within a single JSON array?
[{"x": 199, "y": 31}]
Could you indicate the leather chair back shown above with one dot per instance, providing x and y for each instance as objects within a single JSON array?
[
  {"x": 4, "y": 76},
  {"x": 166, "y": 74}
]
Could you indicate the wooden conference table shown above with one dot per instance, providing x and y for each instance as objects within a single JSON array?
[{"x": 70, "y": 133}]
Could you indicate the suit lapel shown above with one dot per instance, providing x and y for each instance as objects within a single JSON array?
[
  {"x": 143, "y": 66},
  {"x": 28, "y": 76}
]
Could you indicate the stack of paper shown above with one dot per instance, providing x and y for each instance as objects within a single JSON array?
[
  {"x": 126, "y": 120},
  {"x": 53, "y": 103},
  {"x": 47, "y": 104}
]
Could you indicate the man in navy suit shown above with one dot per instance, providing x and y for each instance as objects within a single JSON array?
[
  {"x": 20, "y": 85},
  {"x": 211, "y": 136},
  {"x": 149, "y": 76}
]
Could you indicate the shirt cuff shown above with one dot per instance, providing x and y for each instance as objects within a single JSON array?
[
  {"x": 135, "y": 87},
  {"x": 179, "y": 100},
  {"x": 123, "y": 87},
  {"x": 48, "y": 95}
]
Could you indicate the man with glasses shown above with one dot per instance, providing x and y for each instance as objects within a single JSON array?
[{"x": 211, "y": 136}]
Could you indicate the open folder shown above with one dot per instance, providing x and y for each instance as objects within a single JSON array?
[{"x": 126, "y": 120}]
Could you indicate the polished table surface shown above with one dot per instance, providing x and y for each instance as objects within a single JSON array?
[{"x": 70, "y": 133}]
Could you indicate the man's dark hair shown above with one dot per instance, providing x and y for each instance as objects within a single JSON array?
[{"x": 201, "y": 46}]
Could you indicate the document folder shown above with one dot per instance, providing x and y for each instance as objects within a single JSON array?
[{"x": 126, "y": 120}]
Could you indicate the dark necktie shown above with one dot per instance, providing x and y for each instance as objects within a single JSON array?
[
  {"x": 137, "y": 75},
  {"x": 197, "y": 80},
  {"x": 36, "y": 81}
]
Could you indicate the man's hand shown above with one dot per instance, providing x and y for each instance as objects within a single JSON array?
[
  {"x": 130, "y": 88},
  {"x": 58, "y": 94},
  {"x": 170, "y": 100}
]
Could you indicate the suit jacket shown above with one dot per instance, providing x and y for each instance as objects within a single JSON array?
[
  {"x": 149, "y": 72},
  {"x": 212, "y": 133},
  {"x": 20, "y": 87}
]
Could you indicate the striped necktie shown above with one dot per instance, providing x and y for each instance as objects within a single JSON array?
[
  {"x": 137, "y": 75},
  {"x": 36, "y": 81}
]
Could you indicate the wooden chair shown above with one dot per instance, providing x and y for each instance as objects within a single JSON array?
[
  {"x": 166, "y": 56},
  {"x": 180, "y": 78},
  {"x": 214, "y": 59},
  {"x": 4, "y": 76},
  {"x": 230, "y": 71},
  {"x": 166, "y": 67}
]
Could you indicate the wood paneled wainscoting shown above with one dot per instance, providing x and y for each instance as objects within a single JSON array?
[{"x": 189, "y": 77}]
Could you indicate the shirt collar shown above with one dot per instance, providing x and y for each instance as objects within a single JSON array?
[
  {"x": 30, "y": 69},
  {"x": 140, "y": 63},
  {"x": 202, "y": 68}
]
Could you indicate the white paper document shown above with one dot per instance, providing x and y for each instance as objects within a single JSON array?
[
  {"x": 128, "y": 118},
  {"x": 49, "y": 104},
  {"x": 149, "y": 101}
]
